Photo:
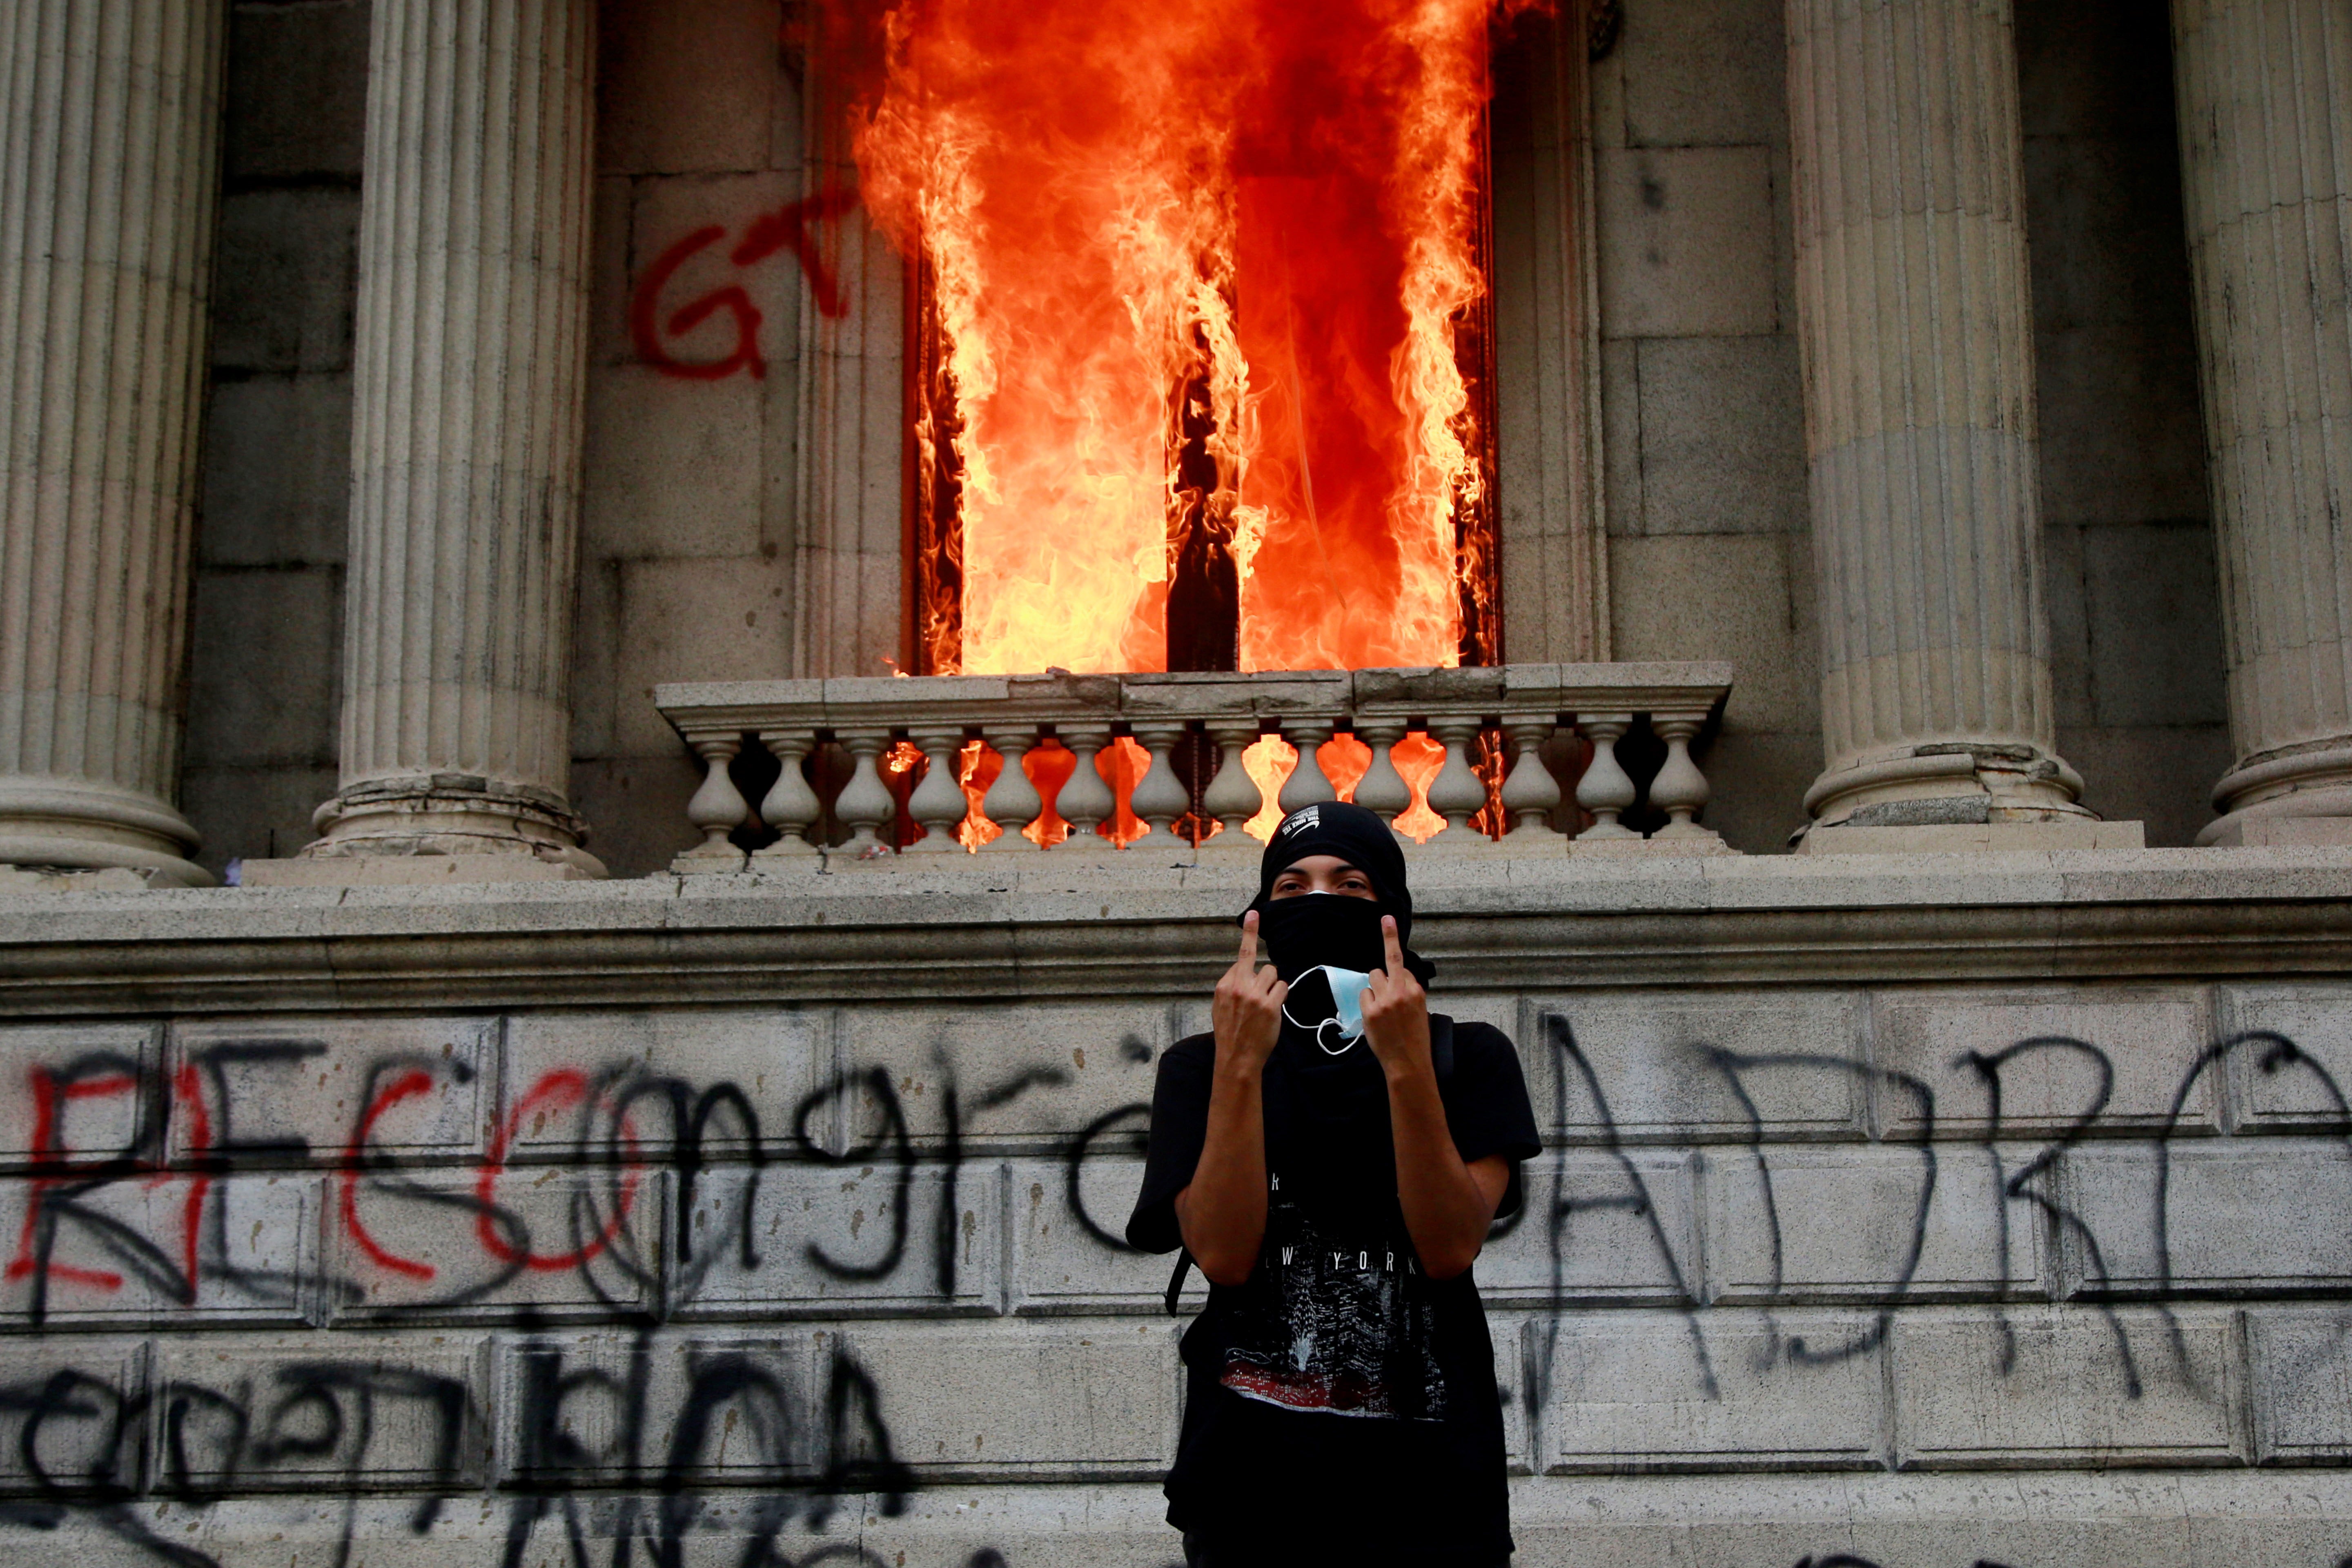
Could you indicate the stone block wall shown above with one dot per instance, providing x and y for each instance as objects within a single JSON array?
[
  {"x": 1710, "y": 545},
  {"x": 2024, "y": 1270},
  {"x": 2128, "y": 527},
  {"x": 265, "y": 633}
]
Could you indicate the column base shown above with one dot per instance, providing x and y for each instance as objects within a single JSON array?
[
  {"x": 438, "y": 827},
  {"x": 2299, "y": 796},
  {"x": 1947, "y": 784},
  {"x": 53, "y": 827}
]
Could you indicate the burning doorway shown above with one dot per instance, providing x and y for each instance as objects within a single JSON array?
[{"x": 1201, "y": 346}]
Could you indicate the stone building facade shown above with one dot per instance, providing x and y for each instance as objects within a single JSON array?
[{"x": 452, "y": 453}]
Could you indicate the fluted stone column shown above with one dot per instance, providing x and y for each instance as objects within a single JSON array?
[
  {"x": 110, "y": 116},
  {"x": 1919, "y": 420},
  {"x": 2266, "y": 99},
  {"x": 465, "y": 439}
]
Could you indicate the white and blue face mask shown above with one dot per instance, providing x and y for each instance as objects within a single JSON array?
[{"x": 1347, "y": 1021}]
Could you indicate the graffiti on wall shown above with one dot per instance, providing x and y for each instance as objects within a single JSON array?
[
  {"x": 644, "y": 1191},
  {"x": 656, "y": 322}
]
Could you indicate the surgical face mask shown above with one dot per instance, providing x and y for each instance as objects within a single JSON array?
[{"x": 1348, "y": 1007}]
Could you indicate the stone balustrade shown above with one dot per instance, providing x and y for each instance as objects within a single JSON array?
[{"x": 1489, "y": 726}]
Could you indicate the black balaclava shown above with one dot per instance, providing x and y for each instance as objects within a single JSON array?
[{"x": 1302, "y": 933}]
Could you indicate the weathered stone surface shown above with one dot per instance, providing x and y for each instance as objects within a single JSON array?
[
  {"x": 76, "y": 1091},
  {"x": 1060, "y": 1263},
  {"x": 1917, "y": 382},
  {"x": 1041, "y": 1401},
  {"x": 548, "y": 1245},
  {"x": 1866, "y": 1225},
  {"x": 362, "y": 1413},
  {"x": 1674, "y": 1068},
  {"x": 1709, "y": 72},
  {"x": 2208, "y": 1219},
  {"x": 2265, "y": 126},
  {"x": 1048, "y": 930},
  {"x": 696, "y": 86},
  {"x": 2187, "y": 1518},
  {"x": 2055, "y": 1385},
  {"x": 1044, "y": 1359},
  {"x": 2130, "y": 1053},
  {"x": 272, "y": 1091},
  {"x": 465, "y": 488},
  {"x": 2300, "y": 1366},
  {"x": 1062, "y": 1071},
  {"x": 703, "y": 1407},
  {"x": 294, "y": 74},
  {"x": 1722, "y": 1390},
  {"x": 190, "y": 1249},
  {"x": 282, "y": 316},
  {"x": 655, "y": 461},
  {"x": 71, "y": 1425},
  {"x": 1685, "y": 241},
  {"x": 1719, "y": 597},
  {"x": 109, "y": 141},
  {"x": 718, "y": 1079},
  {"x": 1598, "y": 1229},
  {"x": 866, "y": 1239},
  {"x": 2298, "y": 1091},
  {"x": 1722, "y": 438}
]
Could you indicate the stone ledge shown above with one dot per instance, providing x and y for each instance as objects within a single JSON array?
[
  {"x": 407, "y": 871},
  {"x": 1012, "y": 926},
  {"x": 2082, "y": 1518},
  {"x": 1979, "y": 837}
]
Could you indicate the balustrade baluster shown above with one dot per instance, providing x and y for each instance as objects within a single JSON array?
[
  {"x": 1306, "y": 784},
  {"x": 1012, "y": 803},
  {"x": 1457, "y": 794},
  {"x": 1233, "y": 796},
  {"x": 1524, "y": 775},
  {"x": 717, "y": 807},
  {"x": 1680, "y": 789},
  {"x": 1159, "y": 796},
  {"x": 939, "y": 801},
  {"x": 791, "y": 808},
  {"x": 865, "y": 802},
  {"x": 1606, "y": 789},
  {"x": 1382, "y": 788},
  {"x": 1530, "y": 793},
  {"x": 1086, "y": 800}
]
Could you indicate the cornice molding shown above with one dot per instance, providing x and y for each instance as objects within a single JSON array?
[{"x": 1130, "y": 928}]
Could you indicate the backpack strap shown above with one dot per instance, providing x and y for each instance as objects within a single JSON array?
[
  {"x": 1441, "y": 1046},
  {"x": 1176, "y": 1280}
]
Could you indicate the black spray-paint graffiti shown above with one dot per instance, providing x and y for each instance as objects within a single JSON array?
[
  {"x": 815, "y": 1438},
  {"x": 316, "y": 1423},
  {"x": 2033, "y": 1184}
]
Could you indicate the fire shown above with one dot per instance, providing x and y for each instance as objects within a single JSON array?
[
  {"x": 1344, "y": 761},
  {"x": 1250, "y": 224}
]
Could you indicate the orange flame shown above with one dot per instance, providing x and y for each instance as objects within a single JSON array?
[
  {"x": 1049, "y": 769},
  {"x": 1273, "y": 199},
  {"x": 1344, "y": 761}
]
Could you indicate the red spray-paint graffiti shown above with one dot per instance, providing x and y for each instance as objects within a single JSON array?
[
  {"x": 789, "y": 228},
  {"x": 51, "y": 1094},
  {"x": 408, "y": 1086},
  {"x": 563, "y": 1089}
]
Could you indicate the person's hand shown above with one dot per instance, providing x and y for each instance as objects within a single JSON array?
[
  {"x": 1247, "y": 1012},
  {"x": 1396, "y": 1011}
]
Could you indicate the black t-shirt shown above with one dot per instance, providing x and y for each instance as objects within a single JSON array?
[{"x": 1340, "y": 1405}]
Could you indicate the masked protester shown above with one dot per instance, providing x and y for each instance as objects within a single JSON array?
[{"x": 1331, "y": 1155}]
